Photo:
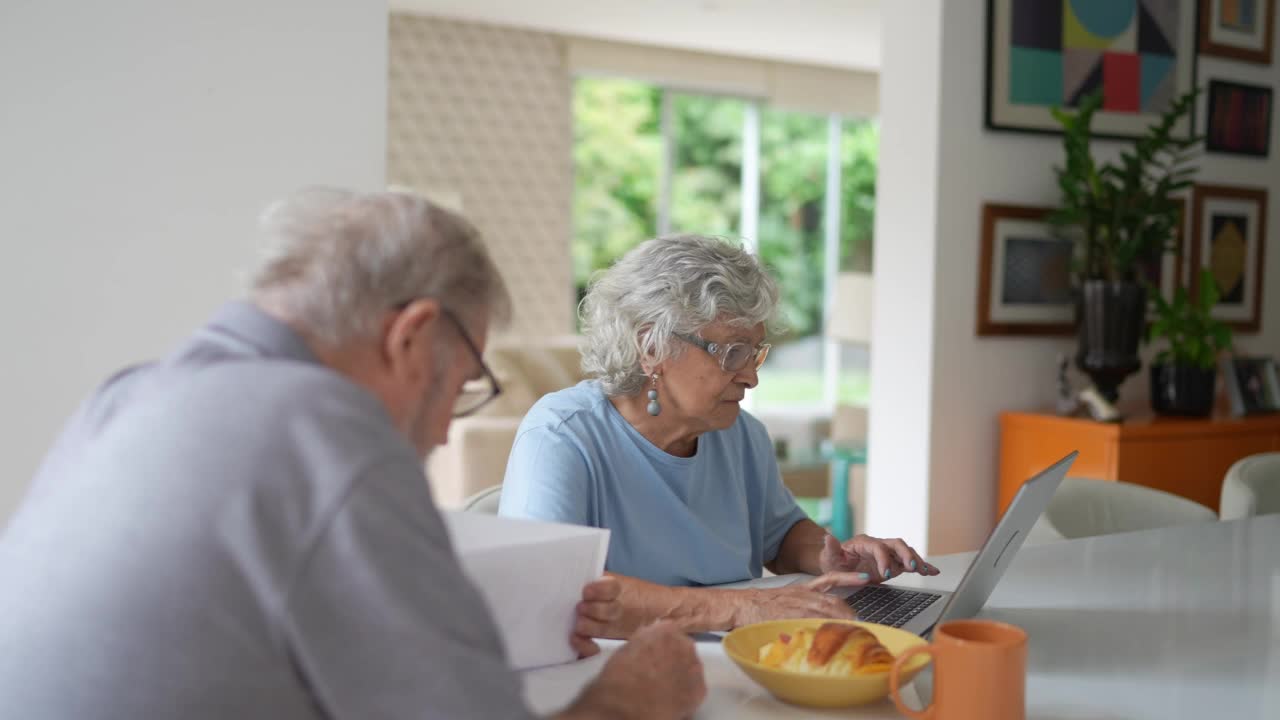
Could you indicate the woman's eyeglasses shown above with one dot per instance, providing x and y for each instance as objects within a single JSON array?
[{"x": 732, "y": 356}]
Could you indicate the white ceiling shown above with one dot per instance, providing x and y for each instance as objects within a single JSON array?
[{"x": 838, "y": 33}]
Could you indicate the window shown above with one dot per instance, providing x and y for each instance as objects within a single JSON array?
[
  {"x": 793, "y": 169},
  {"x": 617, "y": 158},
  {"x": 648, "y": 161},
  {"x": 706, "y": 176}
]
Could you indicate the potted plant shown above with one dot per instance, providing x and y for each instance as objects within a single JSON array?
[
  {"x": 1123, "y": 216},
  {"x": 1184, "y": 375}
]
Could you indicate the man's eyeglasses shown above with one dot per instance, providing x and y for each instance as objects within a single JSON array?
[
  {"x": 732, "y": 356},
  {"x": 475, "y": 394}
]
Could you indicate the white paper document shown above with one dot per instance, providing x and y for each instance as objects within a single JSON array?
[{"x": 531, "y": 574}]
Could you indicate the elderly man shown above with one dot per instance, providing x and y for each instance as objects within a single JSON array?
[{"x": 243, "y": 530}]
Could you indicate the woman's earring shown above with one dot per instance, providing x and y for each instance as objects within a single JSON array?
[{"x": 654, "y": 408}]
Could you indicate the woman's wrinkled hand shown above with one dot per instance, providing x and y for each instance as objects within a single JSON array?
[
  {"x": 880, "y": 559},
  {"x": 599, "y": 614},
  {"x": 806, "y": 600}
]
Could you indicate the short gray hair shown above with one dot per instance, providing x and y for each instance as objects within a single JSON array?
[
  {"x": 335, "y": 261},
  {"x": 667, "y": 286}
]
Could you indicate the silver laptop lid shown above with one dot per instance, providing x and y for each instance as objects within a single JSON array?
[{"x": 1003, "y": 542}]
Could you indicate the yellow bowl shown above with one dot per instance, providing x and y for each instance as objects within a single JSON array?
[{"x": 743, "y": 646}]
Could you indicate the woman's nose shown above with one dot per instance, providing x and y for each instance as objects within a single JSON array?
[{"x": 749, "y": 376}]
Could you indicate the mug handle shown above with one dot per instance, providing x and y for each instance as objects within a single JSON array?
[{"x": 895, "y": 677}]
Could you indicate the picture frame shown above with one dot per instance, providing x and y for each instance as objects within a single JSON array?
[
  {"x": 1238, "y": 29},
  {"x": 1238, "y": 119},
  {"x": 1253, "y": 384},
  {"x": 1228, "y": 237},
  {"x": 1024, "y": 276},
  {"x": 1041, "y": 54}
]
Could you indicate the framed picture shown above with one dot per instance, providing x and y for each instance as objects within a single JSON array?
[
  {"x": 1051, "y": 53},
  {"x": 1024, "y": 285},
  {"x": 1238, "y": 29},
  {"x": 1239, "y": 119},
  {"x": 1228, "y": 233},
  {"x": 1253, "y": 384}
]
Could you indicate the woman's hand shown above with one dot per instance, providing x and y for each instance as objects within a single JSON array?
[
  {"x": 881, "y": 559},
  {"x": 618, "y": 606},
  {"x": 598, "y": 615},
  {"x": 807, "y": 600}
]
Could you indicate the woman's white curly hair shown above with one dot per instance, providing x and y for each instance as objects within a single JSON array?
[{"x": 667, "y": 286}]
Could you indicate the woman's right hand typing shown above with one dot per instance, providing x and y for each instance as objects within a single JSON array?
[{"x": 802, "y": 600}]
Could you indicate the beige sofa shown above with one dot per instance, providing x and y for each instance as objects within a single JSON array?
[{"x": 475, "y": 457}]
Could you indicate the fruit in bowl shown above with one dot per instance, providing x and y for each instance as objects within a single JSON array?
[{"x": 823, "y": 663}]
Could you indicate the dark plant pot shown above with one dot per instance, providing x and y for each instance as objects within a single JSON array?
[
  {"x": 1111, "y": 317},
  {"x": 1184, "y": 390}
]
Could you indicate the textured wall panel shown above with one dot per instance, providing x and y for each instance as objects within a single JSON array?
[{"x": 481, "y": 116}]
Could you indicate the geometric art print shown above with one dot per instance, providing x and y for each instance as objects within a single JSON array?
[{"x": 1052, "y": 53}]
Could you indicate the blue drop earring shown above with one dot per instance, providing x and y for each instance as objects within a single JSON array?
[{"x": 653, "y": 407}]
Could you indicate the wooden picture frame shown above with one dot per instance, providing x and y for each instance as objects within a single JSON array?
[
  {"x": 1238, "y": 29},
  {"x": 1024, "y": 276},
  {"x": 1238, "y": 119},
  {"x": 1228, "y": 236}
]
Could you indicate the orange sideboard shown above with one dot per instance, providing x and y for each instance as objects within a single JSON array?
[{"x": 1187, "y": 457}]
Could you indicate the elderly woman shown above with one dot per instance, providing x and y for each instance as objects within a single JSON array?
[{"x": 656, "y": 448}]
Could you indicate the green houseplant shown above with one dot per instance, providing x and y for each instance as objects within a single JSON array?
[
  {"x": 1123, "y": 216},
  {"x": 1184, "y": 374}
]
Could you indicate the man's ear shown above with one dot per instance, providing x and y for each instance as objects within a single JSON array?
[{"x": 408, "y": 338}]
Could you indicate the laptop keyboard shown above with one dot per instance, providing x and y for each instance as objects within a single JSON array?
[{"x": 889, "y": 606}]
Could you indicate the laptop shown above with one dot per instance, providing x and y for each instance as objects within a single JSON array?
[{"x": 918, "y": 611}]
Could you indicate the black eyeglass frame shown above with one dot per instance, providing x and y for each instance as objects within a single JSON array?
[{"x": 495, "y": 389}]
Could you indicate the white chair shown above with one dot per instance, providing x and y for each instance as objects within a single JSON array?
[
  {"x": 1251, "y": 487},
  {"x": 1083, "y": 508},
  {"x": 1043, "y": 532},
  {"x": 484, "y": 502}
]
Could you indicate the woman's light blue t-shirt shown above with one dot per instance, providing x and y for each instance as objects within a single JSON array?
[{"x": 712, "y": 518}]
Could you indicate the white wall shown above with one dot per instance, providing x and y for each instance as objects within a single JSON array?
[
  {"x": 138, "y": 141},
  {"x": 934, "y": 434},
  {"x": 902, "y": 321}
]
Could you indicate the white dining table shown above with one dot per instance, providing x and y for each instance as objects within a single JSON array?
[{"x": 1180, "y": 622}]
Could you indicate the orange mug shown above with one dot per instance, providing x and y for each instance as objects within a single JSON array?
[{"x": 979, "y": 672}]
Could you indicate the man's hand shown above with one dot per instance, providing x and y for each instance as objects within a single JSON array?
[
  {"x": 597, "y": 613},
  {"x": 657, "y": 674},
  {"x": 880, "y": 559}
]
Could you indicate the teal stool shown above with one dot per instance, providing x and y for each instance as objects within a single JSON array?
[{"x": 842, "y": 461}]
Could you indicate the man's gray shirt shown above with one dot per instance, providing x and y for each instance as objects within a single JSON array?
[{"x": 238, "y": 531}]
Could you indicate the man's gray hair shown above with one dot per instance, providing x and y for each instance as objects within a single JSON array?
[
  {"x": 336, "y": 261},
  {"x": 667, "y": 286}
]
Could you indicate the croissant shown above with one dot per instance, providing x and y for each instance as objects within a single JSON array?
[{"x": 833, "y": 649}]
